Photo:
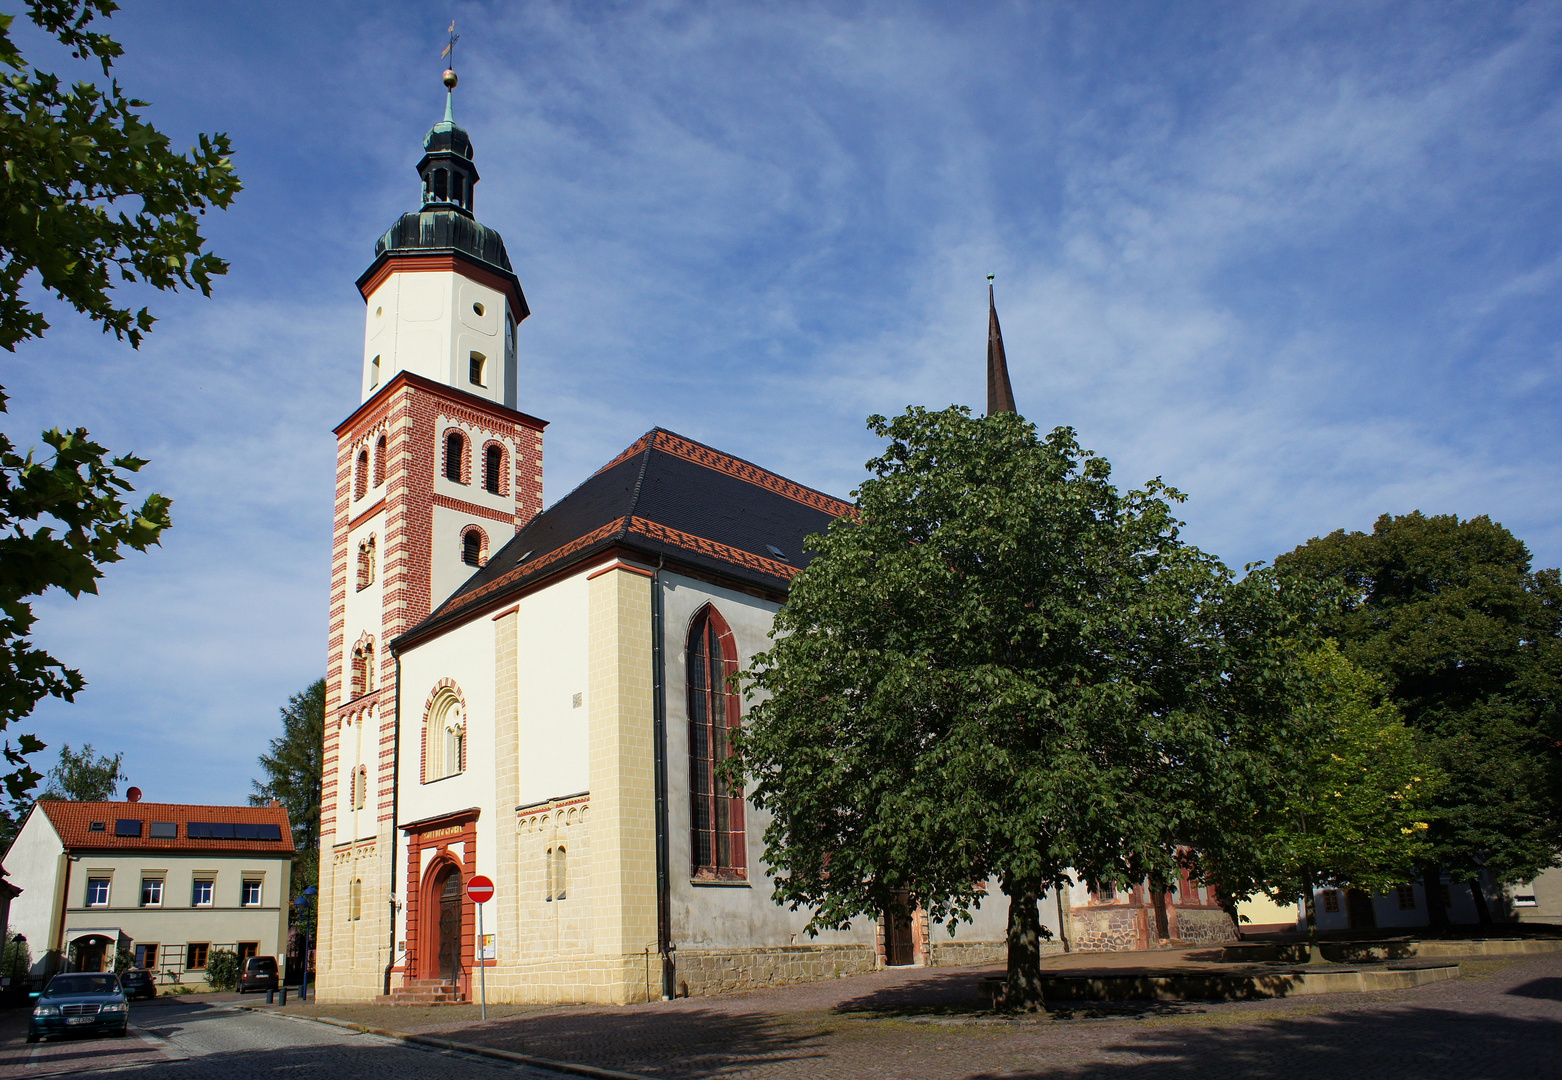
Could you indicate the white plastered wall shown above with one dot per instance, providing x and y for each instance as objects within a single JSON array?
[
  {"x": 427, "y": 322},
  {"x": 553, "y": 666},
  {"x": 36, "y": 864}
]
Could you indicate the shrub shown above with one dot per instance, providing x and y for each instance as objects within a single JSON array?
[{"x": 222, "y": 969}]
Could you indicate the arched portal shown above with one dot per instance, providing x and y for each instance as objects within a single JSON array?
[{"x": 441, "y": 937}]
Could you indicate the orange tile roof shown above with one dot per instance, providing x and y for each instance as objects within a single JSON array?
[{"x": 72, "y": 820}]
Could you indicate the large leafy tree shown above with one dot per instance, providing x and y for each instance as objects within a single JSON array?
[
  {"x": 85, "y": 775},
  {"x": 1468, "y": 639},
  {"x": 91, "y": 197},
  {"x": 292, "y": 777},
  {"x": 1002, "y": 666},
  {"x": 1355, "y": 815}
]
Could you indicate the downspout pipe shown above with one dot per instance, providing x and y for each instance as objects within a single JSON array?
[
  {"x": 395, "y": 819},
  {"x": 659, "y": 743}
]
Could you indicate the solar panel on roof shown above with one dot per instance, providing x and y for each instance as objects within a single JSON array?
[
  {"x": 164, "y": 830},
  {"x": 245, "y": 830},
  {"x": 127, "y": 827},
  {"x": 270, "y": 832}
]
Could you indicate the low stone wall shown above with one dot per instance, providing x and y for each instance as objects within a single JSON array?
[
  {"x": 1104, "y": 929},
  {"x": 702, "y": 973},
  {"x": 957, "y": 953},
  {"x": 1208, "y": 927}
]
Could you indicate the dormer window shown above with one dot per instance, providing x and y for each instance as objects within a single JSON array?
[{"x": 475, "y": 369}]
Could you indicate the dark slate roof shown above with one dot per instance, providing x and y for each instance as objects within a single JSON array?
[
  {"x": 664, "y": 496},
  {"x": 427, "y": 231}
]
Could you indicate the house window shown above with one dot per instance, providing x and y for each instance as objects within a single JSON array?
[
  {"x": 493, "y": 469},
  {"x": 151, "y": 892},
  {"x": 201, "y": 896},
  {"x": 146, "y": 956},
  {"x": 1107, "y": 893},
  {"x": 247, "y": 949},
  {"x": 475, "y": 364},
  {"x": 379, "y": 462},
  {"x": 444, "y": 738},
  {"x": 97, "y": 892},
  {"x": 361, "y": 477},
  {"x": 455, "y": 456},
  {"x": 1331, "y": 901},
  {"x": 716, "y": 813},
  {"x": 195, "y": 956},
  {"x": 1407, "y": 897},
  {"x": 251, "y": 894}
]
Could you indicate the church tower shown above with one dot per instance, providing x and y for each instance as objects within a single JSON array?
[{"x": 435, "y": 470}]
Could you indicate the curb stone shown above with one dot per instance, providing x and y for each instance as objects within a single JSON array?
[{"x": 438, "y": 1043}]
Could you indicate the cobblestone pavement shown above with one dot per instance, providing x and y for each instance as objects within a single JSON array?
[
  {"x": 196, "y": 1041},
  {"x": 1502, "y": 1019}
]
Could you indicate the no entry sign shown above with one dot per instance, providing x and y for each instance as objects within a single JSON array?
[{"x": 480, "y": 890}]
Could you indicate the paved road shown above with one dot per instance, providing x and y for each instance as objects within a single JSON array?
[{"x": 195, "y": 1041}]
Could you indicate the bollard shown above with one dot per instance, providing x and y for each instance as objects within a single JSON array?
[
  {"x": 283, "y": 992},
  {"x": 271, "y": 997}
]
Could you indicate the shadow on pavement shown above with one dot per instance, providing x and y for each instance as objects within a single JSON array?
[
  {"x": 689, "y": 1042},
  {"x": 1424, "y": 1044},
  {"x": 933, "y": 992},
  {"x": 1548, "y": 988}
]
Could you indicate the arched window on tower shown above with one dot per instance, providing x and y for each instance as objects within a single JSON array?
[
  {"x": 472, "y": 547},
  {"x": 493, "y": 469},
  {"x": 361, "y": 479},
  {"x": 560, "y": 873},
  {"x": 379, "y": 462},
  {"x": 441, "y": 185},
  {"x": 360, "y": 672},
  {"x": 455, "y": 456},
  {"x": 368, "y": 667},
  {"x": 719, "y": 848},
  {"x": 355, "y": 900},
  {"x": 366, "y": 555},
  {"x": 456, "y": 191},
  {"x": 360, "y": 787}
]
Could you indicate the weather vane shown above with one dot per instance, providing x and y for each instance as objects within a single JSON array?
[{"x": 450, "y": 53}]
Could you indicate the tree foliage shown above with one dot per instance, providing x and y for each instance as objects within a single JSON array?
[
  {"x": 93, "y": 198},
  {"x": 1356, "y": 815},
  {"x": 85, "y": 776},
  {"x": 222, "y": 969},
  {"x": 1002, "y": 666},
  {"x": 293, "y": 774},
  {"x": 1468, "y": 640}
]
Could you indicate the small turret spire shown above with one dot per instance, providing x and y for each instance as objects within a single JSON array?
[{"x": 1000, "y": 394}]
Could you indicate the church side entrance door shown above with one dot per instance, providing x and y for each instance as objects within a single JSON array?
[
  {"x": 898, "y": 948},
  {"x": 450, "y": 928}
]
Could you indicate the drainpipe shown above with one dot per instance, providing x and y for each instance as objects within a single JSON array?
[
  {"x": 395, "y": 799},
  {"x": 659, "y": 742}
]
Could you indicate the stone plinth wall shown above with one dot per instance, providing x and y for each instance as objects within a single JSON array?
[
  {"x": 960, "y": 953},
  {"x": 1104, "y": 929},
  {"x": 1205, "y": 927},
  {"x": 728, "y": 971}
]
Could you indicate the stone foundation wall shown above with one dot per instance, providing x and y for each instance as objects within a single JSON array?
[
  {"x": 727, "y": 971},
  {"x": 956, "y": 953},
  {"x": 1104, "y": 929},
  {"x": 1205, "y": 927}
]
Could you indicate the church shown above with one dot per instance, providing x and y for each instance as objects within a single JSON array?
[{"x": 540, "y": 696}]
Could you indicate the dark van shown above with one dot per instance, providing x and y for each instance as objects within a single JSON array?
[{"x": 258, "y": 973}]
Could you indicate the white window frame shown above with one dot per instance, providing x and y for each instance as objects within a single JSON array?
[
  {"x": 259, "y": 890},
  {"x": 108, "y": 885},
  {"x": 195, "y": 892},
  {"x": 161, "y": 887}
]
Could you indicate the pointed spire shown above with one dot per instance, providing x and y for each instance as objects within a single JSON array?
[{"x": 1000, "y": 394}]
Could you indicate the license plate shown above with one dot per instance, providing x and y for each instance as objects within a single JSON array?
[{"x": 80, "y": 1019}]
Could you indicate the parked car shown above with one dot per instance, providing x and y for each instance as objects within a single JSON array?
[
  {"x": 138, "y": 983},
  {"x": 79, "y": 1001},
  {"x": 258, "y": 973}
]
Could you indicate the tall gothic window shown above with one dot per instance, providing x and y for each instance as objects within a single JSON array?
[
  {"x": 361, "y": 480},
  {"x": 444, "y": 738},
  {"x": 715, "y": 812},
  {"x": 455, "y": 455},
  {"x": 493, "y": 469},
  {"x": 379, "y": 462}
]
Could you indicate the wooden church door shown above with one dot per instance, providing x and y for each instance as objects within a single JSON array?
[
  {"x": 899, "y": 950},
  {"x": 450, "y": 928}
]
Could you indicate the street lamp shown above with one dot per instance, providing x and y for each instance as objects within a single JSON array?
[{"x": 302, "y": 904}]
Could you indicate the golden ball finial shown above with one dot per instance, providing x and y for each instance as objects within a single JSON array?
[{"x": 450, "y": 78}]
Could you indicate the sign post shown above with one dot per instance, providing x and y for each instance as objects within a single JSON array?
[{"x": 480, "y": 890}]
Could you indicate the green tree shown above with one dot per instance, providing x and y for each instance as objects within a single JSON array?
[
  {"x": 1356, "y": 815},
  {"x": 293, "y": 775},
  {"x": 93, "y": 197},
  {"x": 222, "y": 969},
  {"x": 1003, "y": 666},
  {"x": 85, "y": 776},
  {"x": 1468, "y": 640}
]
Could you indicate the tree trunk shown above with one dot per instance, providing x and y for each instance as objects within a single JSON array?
[
  {"x": 1478, "y": 894},
  {"x": 1432, "y": 885},
  {"x": 1229, "y": 906},
  {"x": 1310, "y": 906},
  {"x": 1022, "y": 988},
  {"x": 1158, "y": 899}
]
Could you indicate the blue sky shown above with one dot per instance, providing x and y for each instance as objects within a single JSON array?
[{"x": 1302, "y": 260}]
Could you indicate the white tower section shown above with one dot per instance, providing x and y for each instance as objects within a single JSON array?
[{"x": 444, "y": 326}]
